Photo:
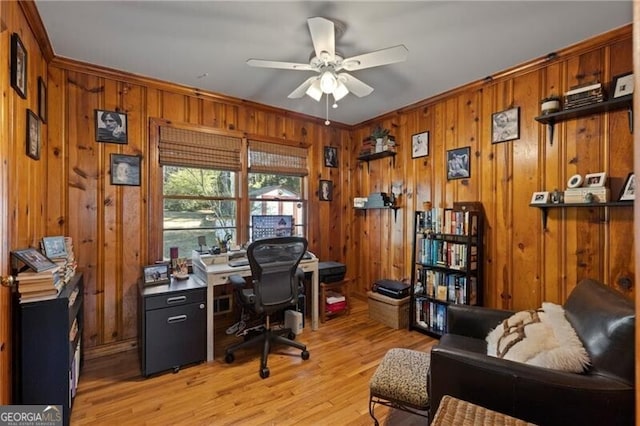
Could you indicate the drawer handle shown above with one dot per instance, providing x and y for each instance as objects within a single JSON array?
[
  {"x": 176, "y": 299},
  {"x": 177, "y": 318}
]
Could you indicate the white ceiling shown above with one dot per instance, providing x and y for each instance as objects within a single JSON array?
[{"x": 205, "y": 44}]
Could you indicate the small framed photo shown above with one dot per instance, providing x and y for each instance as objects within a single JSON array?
[
  {"x": 622, "y": 85},
  {"x": 34, "y": 259},
  {"x": 156, "y": 274},
  {"x": 18, "y": 66},
  {"x": 125, "y": 169},
  {"x": 540, "y": 197},
  {"x": 111, "y": 126},
  {"x": 459, "y": 163},
  {"x": 326, "y": 190},
  {"x": 505, "y": 125},
  {"x": 42, "y": 100},
  {"x": 330, "y": 156},
  {"x": 420, "y": 145},
  {"x": 54, "y": 247},
  {"x": 629, "y": 189},
  {"x": 33, "y": 135},
  {"x": 595, "y": 179}
]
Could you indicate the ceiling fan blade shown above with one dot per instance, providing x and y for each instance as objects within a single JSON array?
[
  {"x": 355, "y": 86},
  {"x": 323, "y": 36},
  {"x": 301, "y": 90},
  {"x": 374, "y": 59},
  {"x": 260, "y": 63}
]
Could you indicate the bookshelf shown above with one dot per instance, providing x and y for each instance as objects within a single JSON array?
[{"x": 447, "y": 266}]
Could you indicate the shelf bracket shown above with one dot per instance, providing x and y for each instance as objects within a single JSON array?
[
  {"x": 630, "y": 118},
  {"x": 550, "y": 131}
]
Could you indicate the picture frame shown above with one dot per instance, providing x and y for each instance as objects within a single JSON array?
[
  {"x": 54, "y": 247},
  {"x": 125, "y": 169},
  {"x": 325, "y": 193},
  {"x": 155, "y": 274},
  {"x": 42, "y": 100},
  {"x": 111, "y": 126},
  {"x": 459, "y": 163},
  {"x": 622, "y": 85},
  {"x": 330, "y": 156},
  {"x": 505, "y": 125},
  {"x": 33, "y": 135},
  {"x": 541, "y": 197},
  {"x": 35, "y": 260},
  {"x": 18, "y": 66},
  {"x": 628, "y": 192},
  {"x": 420, "y": 145},
  {"x": 593, "y": 180}
]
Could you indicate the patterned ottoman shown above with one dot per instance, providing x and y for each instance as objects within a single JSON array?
[{"x": 401, "y": 382}]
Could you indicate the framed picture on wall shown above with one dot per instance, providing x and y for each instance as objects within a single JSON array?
[
  {"x": 111, "y": 126},
  {"x": 420, "y": 145},
  {"x": 505, "y": 125},
  {"x": 33, "y": 135},
  {"x": 18, "y": 66},
  {"x": 326, "y": 190},
  {"x": 125, "y": 169},
  {"x": 629, "y": 189},
  {"x": 42, "y": 100},
  {"x": 330, "y": 156},
  {"x": 459, "y": 163}
]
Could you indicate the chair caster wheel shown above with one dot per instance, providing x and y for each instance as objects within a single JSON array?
[
  {"x": 292, "y": 335},
  {"x": 229, "y": 358},
  {"x": 305, "y": 355},
  {"x": 264, "y": 372}
]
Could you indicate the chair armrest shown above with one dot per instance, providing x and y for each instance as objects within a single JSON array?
[
  {"x": 237, "y": 281},
  {"x": 474, "y": 321},
  {"x": 534, "y": 394}
]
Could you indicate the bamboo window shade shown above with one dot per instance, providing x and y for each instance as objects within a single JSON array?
[
  {"x": 190, "y": 148},
  {"x": 267, "y": 157}
]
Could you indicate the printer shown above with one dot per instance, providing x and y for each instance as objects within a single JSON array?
[{"x": 331, "y": 272}]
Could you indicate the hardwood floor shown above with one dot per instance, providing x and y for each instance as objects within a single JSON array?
[{"x": 331, "y": 388}]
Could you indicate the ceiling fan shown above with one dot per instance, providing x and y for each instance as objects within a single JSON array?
[{"x": 330, "y": 65}]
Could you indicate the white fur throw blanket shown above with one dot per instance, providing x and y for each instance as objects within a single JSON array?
[{"x": 542, "y": 337}]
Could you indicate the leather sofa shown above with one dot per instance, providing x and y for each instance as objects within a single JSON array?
[{"x": 604, "y": 321}]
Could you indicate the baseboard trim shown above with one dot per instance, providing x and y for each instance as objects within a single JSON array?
[{"x": 110, "y": 349}]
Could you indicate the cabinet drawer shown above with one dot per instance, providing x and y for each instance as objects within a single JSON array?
[{"x": 176, "y": 299}]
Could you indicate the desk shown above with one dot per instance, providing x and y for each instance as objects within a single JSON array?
[{"x": 218, "y": 274}]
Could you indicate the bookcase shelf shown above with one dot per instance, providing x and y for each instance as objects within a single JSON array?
[{"x": 447, "y": 266}]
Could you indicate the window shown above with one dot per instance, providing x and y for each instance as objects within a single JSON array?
[{"x": 210, "y": 182}]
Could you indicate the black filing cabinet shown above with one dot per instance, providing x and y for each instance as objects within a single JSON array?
[{"x": 172, "y": 325}]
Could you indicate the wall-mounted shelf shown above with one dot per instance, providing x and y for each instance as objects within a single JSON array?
[
  {"x": 545, "y": 207},
  {"x": 377, "y": 156},
  {"x": 394, "y": 208},
  {"x": 609, "y": 105}
]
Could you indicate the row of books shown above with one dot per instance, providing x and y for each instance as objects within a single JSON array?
[
  {"x": 448, "y": 221},
  {"x": 430, "y": 314},
  {"x": 453, "y": 288},
  {"x": 43, "y": 285},
  {"x": 448, "y": 254}
]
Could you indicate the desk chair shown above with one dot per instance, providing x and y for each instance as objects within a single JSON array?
[{"x": 276, "y": 279}]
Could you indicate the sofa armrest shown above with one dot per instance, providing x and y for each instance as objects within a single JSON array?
[
  {"x": 474, "y": 321},
  {"x": 534, "y": 394}
]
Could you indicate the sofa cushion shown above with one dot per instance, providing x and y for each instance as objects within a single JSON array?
[{"x": 542, "y": 337}]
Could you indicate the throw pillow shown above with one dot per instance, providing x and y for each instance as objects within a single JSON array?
[{"x": 543, "y": 337}]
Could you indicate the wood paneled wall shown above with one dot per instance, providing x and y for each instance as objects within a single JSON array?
[
  {"x": 525, "y": 264},
  {"x": 68, "y": 192}
]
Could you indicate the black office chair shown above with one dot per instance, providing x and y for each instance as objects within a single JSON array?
[{"x": 276, "y": 283}]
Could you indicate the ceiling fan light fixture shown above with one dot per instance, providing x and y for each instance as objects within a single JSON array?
[
  {"x": 340, "y": 91},
  {"x": 314, "y": 91},
  {"x": 328, "y": 82}
]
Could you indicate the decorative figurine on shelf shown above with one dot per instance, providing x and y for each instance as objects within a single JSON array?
[
  {"x": 181, "y": 270},
  {"x": 556, "y": 197}
]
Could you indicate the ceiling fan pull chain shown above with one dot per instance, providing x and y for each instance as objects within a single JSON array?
[{"x": 327, "y": 122}]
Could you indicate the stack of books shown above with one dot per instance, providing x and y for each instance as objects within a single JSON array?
[
  {"x": 44, "y": 285},
  {"x": 583, "y": 95},
  {"x": 368, "y": 147}
]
